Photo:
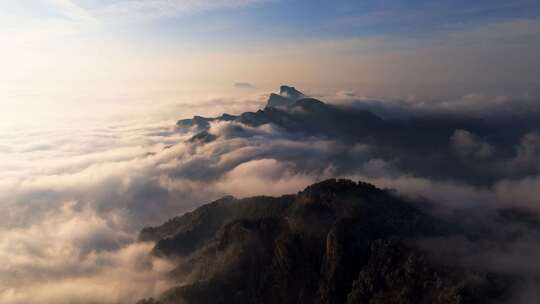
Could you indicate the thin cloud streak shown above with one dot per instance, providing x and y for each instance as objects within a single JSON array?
[
  {"x": 73, "y": 11},
  {"x": 146, "y": 10}
]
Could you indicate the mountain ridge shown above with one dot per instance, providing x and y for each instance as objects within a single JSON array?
[
  {"x": 337, "y": 241},
  {"x": 414, "y": 145}
]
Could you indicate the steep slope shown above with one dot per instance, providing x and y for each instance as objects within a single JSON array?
[{"x": 335, "y": 242}]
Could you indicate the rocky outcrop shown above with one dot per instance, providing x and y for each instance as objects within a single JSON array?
[
  {"x": 286, "y": 98},
  {"x": 278, "y": 101},
  {"x": 291, "y": 93}
]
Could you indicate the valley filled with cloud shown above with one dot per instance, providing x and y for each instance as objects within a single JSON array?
[{"x": 74, "y": 202}]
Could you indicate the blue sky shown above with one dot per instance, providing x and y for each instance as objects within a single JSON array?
[
  {"x": 262, "y": 22},
  {"x": 304, "y": 19},
  {"x": 258, "y": 21},
  {"x": 402, "y": 48}
]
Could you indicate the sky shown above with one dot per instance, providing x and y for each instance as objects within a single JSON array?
[{"x": 63, "y": 51}]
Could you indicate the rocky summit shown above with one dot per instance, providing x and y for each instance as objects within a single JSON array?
[{"x": 337, "y": 241}]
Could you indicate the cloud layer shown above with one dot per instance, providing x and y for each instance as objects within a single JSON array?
[{"x": 73, "y": 202}]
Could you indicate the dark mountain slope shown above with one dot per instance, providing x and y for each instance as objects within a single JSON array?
[
  {"x": 416, "y": 145},
  {"x": 183, "y": 235},
  {"x": 335, "y": 242},
  {"x": 308, "y": 116}
]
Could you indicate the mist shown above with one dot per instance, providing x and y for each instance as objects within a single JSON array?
[{"x": 73, "y": 205}]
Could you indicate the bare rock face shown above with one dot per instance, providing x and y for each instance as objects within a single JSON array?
[
  {"x": 278, "y": 101},
  {"x": 290, "y": 92},
  {"x": 336, "y": 242}
]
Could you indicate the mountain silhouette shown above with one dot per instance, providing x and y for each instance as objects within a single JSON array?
[
  {"x": 337, "y": 241},
  {"x": 418, "y": 145}
]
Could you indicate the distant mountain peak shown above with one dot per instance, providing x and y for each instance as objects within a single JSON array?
[
  {"x": 287, "y": 97},
  {"x": 278, "y": 101},
  {"x": 290, "y": 92}
]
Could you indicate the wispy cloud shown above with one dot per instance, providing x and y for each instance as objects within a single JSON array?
[
  {"x": 72, "y": 10},
  {"x": 141, "y": 10}
]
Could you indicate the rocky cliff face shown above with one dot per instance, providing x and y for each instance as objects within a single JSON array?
[{"x": 335, "y": 242}]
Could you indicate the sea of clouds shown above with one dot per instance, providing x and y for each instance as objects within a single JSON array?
[{"x": 73, "y": 199}]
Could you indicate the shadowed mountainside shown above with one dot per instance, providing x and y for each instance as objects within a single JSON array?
[
  {"x": 335, "y": 242},
  {"x": 440, "y": 147}
]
